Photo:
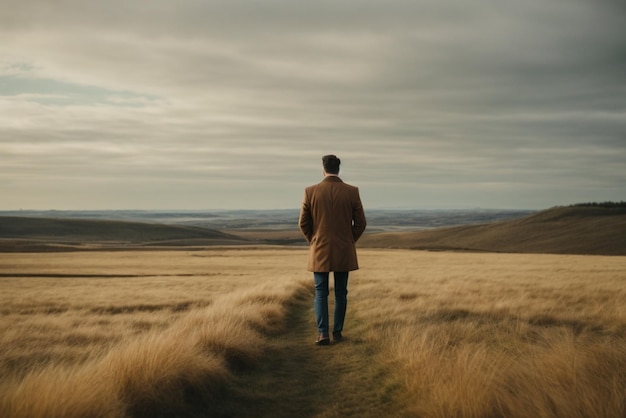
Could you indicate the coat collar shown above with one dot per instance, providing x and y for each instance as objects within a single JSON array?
[{"x": 334, "y": 179}]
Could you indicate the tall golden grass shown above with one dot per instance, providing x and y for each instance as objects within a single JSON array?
[
  {"x": 429, "y": 334},
  {"x": 492, "y": 335},
  {"x": 111, "y": 347}
]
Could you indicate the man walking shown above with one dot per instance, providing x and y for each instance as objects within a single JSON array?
[{"x": 332, "y": 220}]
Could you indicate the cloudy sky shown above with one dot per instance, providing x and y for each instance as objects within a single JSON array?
[{"x": 204, "y": 104}]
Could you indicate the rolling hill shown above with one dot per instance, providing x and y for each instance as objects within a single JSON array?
[
  {"x": 32, "y": 234},
  {"x": 559, "y": 230}
]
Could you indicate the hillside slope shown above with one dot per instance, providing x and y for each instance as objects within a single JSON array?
[
  {"x": 559, "y": 230},
  {"x": 47, "y": 233}
]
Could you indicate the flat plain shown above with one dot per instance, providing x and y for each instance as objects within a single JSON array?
[{"x": 228, "y": 331}]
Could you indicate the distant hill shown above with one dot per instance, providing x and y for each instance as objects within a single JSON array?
[
  {"x": 559, "y": 230},
  {"x": 577, "y": 229},
  {"x": 25, "y": 233}
]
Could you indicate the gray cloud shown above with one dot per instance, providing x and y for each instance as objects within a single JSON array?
[{"x": 200, "y": 104}]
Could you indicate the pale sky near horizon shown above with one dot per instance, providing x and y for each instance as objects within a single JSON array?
[{"x": 203, "y": 104}]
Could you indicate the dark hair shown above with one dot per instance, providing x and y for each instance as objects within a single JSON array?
[{"x": 331, "y": 164}]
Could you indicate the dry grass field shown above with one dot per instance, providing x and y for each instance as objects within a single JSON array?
[{"x": 229, "y": 332}]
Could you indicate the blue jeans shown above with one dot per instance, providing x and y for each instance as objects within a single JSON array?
[{"x": 321, "y": 300}]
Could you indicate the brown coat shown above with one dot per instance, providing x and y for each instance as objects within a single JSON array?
[{"x": 332, "y": 220}]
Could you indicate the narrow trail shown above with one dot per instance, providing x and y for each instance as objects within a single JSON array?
[{"x": 299, "y": 379}]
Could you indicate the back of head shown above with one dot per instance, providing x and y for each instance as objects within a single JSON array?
[{"x": 331, "y": 164}]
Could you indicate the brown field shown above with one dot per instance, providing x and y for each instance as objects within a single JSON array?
[{"x": 228, "y": 332}]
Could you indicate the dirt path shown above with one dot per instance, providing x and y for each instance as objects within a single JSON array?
[{"x": 300, "y": 379}]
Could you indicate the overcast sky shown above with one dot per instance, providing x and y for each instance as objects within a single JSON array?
[{"x": 203, "y": 104}]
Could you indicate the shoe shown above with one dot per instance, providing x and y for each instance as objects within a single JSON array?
[
  {"x": 337, "y": 336},
  {"x": 322, "y": 340}
]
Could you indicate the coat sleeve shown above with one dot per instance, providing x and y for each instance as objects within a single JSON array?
[
  {"x": 358, "y": 218},
  {"x": 305, "y": 221}
]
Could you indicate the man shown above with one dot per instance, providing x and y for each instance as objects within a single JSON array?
[{"x": 332, "y": 220}]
